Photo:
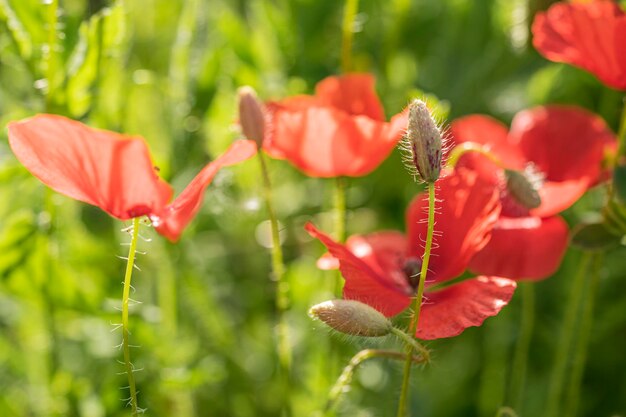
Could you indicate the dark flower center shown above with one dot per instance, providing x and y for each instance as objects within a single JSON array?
[{"x": 412, "y": 267}]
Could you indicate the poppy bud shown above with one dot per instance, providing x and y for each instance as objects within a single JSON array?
[
  {"x": 351, "y": 317},
  {"x": 251, "y": 115},
  {"x": 423, "y": 141},
  {"x": 522, "y": 189}
]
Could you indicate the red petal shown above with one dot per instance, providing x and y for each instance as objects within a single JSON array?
[
  {"x": 325, "y": 142},
  {"x": 106, "y": 169},
  {"x": 173, "y": 220},
  {"x": 466, "y": 213},
  {"x": 523, "y": 248},
  {"x": 567, "y": 145},
  {"x": 448, "y": 312},
  {"x": 367, "y": 281},
  {"x": 492, "y": 134},
  {"x": 351, "y": 93},
  {"x": 590, "y": 36}
]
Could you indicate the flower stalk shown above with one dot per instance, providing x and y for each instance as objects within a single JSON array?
[
  {"x": 520, "y": 356},
  {"x": 404, "y": 395},
  {"x": 347, "y": 34},
  {"x": 128, "y": 366}
]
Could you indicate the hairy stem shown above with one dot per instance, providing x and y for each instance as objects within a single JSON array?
[
  {"x": 520, "y": 357},
  {"x": 555, "y": 390},
  {"x": 346, "y": 376},
  {"x": 404, "y": 393},
  {"x": 125, "y": 332}
]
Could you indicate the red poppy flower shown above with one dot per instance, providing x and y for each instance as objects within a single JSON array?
[
  {"x": 111, "y": 171},
  {"x": 341, "y": 131},
  {"x": 591, "y": 36},
  {"x": 559, "y": 149},
  {"x": 380, "y": 269}
]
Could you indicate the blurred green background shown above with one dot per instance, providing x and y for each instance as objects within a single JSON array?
[{"x": 168, "y": 70}]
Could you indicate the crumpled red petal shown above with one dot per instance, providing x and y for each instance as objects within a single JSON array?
[
  {"x": 327, "y": 142},
  {"x": 566, "y": 144},
  {"x": 351, "y": 93},
  {"x": 447, "y": 312},
  {"x": 176, "y": 216},
  {"x": 366, "y": 280},
  {"x": 106, "y": 169},
  {"x": 468, "y": 208},
  {"x": 523, "y": 248},
  {"x": 590, "y": 36}
]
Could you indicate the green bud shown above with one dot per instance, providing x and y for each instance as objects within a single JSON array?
[
  {"x": 424, "y": 142},
  {"x": 351, "y": 317},
  {"x": 521, "y": 189}
]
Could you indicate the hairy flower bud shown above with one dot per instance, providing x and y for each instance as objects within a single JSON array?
[
  {"x": 251, "y": 115},
  {"x": 351, "y": 317},
  {"x": 424, "y": 142},
  {"x": 521, "y": 189}
]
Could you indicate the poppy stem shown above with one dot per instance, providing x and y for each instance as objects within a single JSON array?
[
  {"x": 506, "y": 412},
  {"x": 125, "y": 332},
  {"x": 282, "y": 287},
  {"x": 621, "y": 150},
  {"x": 345, "y": 378},
  {"x": 566, "y": 338},
  {"x": 467, "y": 147},
  {"x": 347, "y": 34},
  {"x": 50, "y": 50},
  {"x": 339, "y": 202},
  {"x": 520, "y": 357},
  {"x": 580, "y": 350},
  {"x": 404, "y": 394}
]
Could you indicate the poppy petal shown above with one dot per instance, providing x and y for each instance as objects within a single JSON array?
[
  {"x": 177, "y": 215},
  {"x": 106, "y": 169},
  {"x": 523, "y": 248},
  {"x": 590, "y": 36},
  {"x": 487, "y": 131},
  {"x": 447, "y": 312},
  {"x": 363, "y": 282},
  {"x": 565, "y": 144},
  {"x": 352, "y": 93},
  {"x": 468, "y": 207},
  {"x": 325, "y": 142}
]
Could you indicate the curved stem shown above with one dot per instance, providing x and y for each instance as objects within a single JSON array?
[
  {"x": 580, "y": 350},
  {"x": 467, "y": 147},
  {"x": 125, "y": 333},
  {"x": 506, "y": 411},
  {"x": 346, "y": 376},
  {"x": 566, "y": 338},
  {"x": 282, "y": 288},
  {"x": 347, "y": 34},
  {"x": 520, "y": 357},
  {"x": 418, "y": 300},
  {"x": 410, "y": 341}
]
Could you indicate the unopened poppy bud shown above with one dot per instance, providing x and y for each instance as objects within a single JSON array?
[
  {"x": 423, "y": 140},
  {"x": 251, "y": 115},
  {"x": 351, "y": 317},
  {"x": 521, "y": 189}
]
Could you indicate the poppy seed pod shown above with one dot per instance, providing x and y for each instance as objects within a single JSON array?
[
  {"x": 351, "y": 317},
  {"x": 251, "y": 115},
  {"x": 424, "y": 142},
  {"x": 521, "y": 189}
]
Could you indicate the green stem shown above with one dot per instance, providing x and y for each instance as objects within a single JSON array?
[
  {"x": 566, "y": 338},
  {"x": 339, "y": 203},
  {"x": 621, "y": 150},
  {"x": 346, "y": 376},
  {"x": 404, "y": 395},
  {"x": 580, "y": 350},
  {"x": 347, "y": 34},
  {"x": 520, "y": 357},
  {"x": 467, "y": 147},
  {"x": 282, "y": 288},
  {"x": 410, "y": 341},
  {"x": 125, "y": 333},
  {"x": 49, "y": 55}
]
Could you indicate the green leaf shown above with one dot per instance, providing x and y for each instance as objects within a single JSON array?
[
  {"x": 18, "y": 33},
  {"x": 15, "y": 239},
  {"x": 594, "y": 237}
]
